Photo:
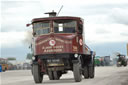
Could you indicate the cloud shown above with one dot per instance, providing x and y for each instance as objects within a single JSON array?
[
  {"x": 106, "y": 49},
  {"x": 124, "y": 34},
  {"x": 83, "y": 8},
  {"x": 13, "y": 24},
  {"x": 11, "y": 39},
  {"x": 20, "y": 52},
  {"x": 102, "y": 31},
  {"x": 105, "y": 33},
  {"x": 16, "y": 14},
  {"x": 105, "y": 20},
  {"x": 120, "y": 15}
]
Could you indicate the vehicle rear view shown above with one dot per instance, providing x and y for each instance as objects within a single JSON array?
[
  {"x": 121, "y": 61},
  {"x": 58, "y": 46}
]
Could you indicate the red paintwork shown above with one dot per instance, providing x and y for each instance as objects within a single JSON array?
[
  {"x": 64, "y": 43},
  {"x": 54, "y": 18},
  {"x": 40, "y": 62}
]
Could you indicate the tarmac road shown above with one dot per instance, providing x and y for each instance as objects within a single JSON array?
[{"x": 104, "y": 76}]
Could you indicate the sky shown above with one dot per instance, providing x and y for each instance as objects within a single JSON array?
[{"x": 105, "y": 23}]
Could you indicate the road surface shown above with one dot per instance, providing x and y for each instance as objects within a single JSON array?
[{"x": 103, "y": 76}]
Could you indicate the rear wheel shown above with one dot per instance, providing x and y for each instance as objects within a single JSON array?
[
  {"x": 125, "y": 63},
  {"x": 56, "y": 75},
  {"x": 91, "y": 71},
  {"x": 38, "y": 77},
  {"x": 77, "y": 72},
  {"x": 50, "y": 74},
  {"x": 91, "y": 68},
  {"x": 85, "y": 72},
  {"x": 32, "y": 70}
]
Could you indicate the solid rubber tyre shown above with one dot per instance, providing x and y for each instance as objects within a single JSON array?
[
  {"x": 38, "y": 77},
  {"x": 85, "y": 72},
  {"x": 91, "y": 71},
  {"x": 125, "y": 64},
  {"x": 50, "y": 74},
  {"x": 56, "y": 76},
  {"x": 77, "y": 72},
  {"x": 32, "y": 70}
]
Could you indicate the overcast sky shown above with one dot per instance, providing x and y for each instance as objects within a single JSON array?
[{"x": 106, "y": 23}]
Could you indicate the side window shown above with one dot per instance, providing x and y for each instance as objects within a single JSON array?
[{"x": 80, "y": 28}]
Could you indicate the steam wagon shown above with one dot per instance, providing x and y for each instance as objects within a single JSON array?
[{"x": 58, "y": 46}]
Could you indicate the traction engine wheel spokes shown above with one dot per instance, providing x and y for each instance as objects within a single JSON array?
[
  {"x": 50, "y": 74},
  {"x": 77, "y": 72},
  {"x": 38, "y": 77},
  {"x": 85, "y": 72}
]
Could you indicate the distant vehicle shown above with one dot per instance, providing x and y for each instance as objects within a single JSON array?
[
  {"x": 26, "y": 66},
  {"x": 58, "y": 46},
  {"x": 10, "y": 66},
  {"x": 19, "y": 67},
  {"x": 107, "y": 60},
  {"x": 97, "y": 61},
  {"x": 3, "y": 63},
  {"x": 121, "y": 61},
  {"x": 102, "y": 61}
]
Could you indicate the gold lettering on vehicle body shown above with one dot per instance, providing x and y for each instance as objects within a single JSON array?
[
  {"x": 52, "y": 50},
  {"x": 75, "y": 48},
  {"x": 54, "y": 47},
  {"x": 49, "y": 49},
  {"x": 57, "y": 39},
  {"x": 43, "y": 41},
  {"x": 63, "y": 41}
]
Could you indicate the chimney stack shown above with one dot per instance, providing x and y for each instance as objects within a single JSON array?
[{"x": 51, "y": 14}]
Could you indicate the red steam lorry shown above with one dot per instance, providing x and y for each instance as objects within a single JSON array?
[{"x": 58, "y": 46}]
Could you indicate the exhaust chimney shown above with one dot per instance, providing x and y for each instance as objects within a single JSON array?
[{"x": 51, "y": 14}]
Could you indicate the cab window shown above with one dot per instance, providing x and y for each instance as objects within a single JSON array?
[
  {"x": 40, "y": 28},
  {"x": 64, "y": 26}
]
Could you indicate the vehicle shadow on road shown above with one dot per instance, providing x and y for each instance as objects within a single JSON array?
[{"x": 66, "y": 80}]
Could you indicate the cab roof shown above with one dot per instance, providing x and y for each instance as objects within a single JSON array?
[{"x": 55, "y": 18}]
